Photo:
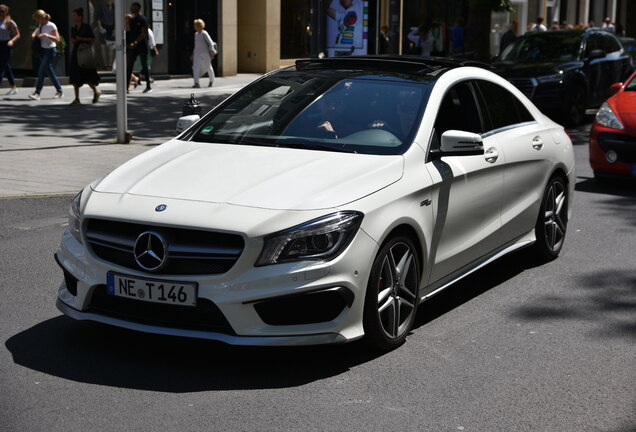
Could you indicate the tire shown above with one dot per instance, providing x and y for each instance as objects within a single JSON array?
[
  {"x": 552, "y": 220},
  {"x": 392, "y": 294},
  {"x": 574, "y": 109}
]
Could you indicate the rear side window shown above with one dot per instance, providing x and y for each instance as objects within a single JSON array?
[{"x": 502, "y": 107}]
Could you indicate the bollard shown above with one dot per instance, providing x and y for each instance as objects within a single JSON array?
[{"x": 192, "y": 107}]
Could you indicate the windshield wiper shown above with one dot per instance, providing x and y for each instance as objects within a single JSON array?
[{"x": 315, "y": 146}]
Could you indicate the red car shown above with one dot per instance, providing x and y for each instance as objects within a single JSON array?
[{"x": 613, "y": 135}]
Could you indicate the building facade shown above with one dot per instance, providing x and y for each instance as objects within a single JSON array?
[{"x": 262, "y": 35}]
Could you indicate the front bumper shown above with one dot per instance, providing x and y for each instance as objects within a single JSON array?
[
  {"x": 602, "y": 140},
  {"x": 247, "y": 304}
]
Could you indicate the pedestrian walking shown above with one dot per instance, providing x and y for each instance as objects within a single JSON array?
[
  {"x": 538, "y": 26},
  {"x": 48, "y": 36},
  {"x": 204, "y": 51},
  {"x": 83, "y": 68},
  {"x": 423, "y": 40},
  {"x": 151, "y": 54},
  {"x": 9, "y": 33},
  {"x": 138, "y": 47}
]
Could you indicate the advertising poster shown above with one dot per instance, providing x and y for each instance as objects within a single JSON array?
[{"x": 347, "y": 27}]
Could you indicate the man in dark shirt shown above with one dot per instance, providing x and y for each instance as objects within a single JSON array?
[{"x": 138, "y": 45}]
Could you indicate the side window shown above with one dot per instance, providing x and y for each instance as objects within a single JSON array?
[
  {"x": 503, "y": 108},
  {"x": 593, "y": 43},
  {"x": 610, "y": 44},
  {"x": 458, "y": 111}
]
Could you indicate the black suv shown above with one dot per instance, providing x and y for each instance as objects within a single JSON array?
[{"x": 564, "y": 72}]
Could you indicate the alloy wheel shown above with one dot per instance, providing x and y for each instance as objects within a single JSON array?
[
  {"x": 397, "y": 290},
  {"x": 554, "y": 217}
]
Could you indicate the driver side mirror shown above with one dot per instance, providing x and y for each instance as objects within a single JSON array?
[
  {"x": 615, "y": 88},
  {"x": 186, "y": 121},
  {"x": 597, "y": 54},
  {"x": 461, "y": 143}
]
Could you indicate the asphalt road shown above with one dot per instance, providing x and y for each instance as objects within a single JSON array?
[{"x": 516, "y": 347}]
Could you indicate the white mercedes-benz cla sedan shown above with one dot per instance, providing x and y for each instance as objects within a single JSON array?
[{"x": 320, "y": 204}]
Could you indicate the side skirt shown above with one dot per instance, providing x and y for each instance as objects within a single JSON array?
[{"x": 520, "y": 243}]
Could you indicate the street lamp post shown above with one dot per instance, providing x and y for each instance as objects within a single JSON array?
[{"x": 123, "y": 137}]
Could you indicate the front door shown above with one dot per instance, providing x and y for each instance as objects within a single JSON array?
[{"x": 467, "y": 190}]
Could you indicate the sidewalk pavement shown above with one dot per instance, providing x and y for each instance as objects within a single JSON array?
[{"x": 48, "y": 147}]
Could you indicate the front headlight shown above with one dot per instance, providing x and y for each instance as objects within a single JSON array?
[
  {"x": 74, "y": 217},
  {"x": 606, "y": 117},
  {"x": 321, "y": 239},
  {"x": 551, "y": 78}
]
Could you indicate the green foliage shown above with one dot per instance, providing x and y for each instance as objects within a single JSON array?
[
  {"x": 60, "y": 47},
  {"x": 493, "y": 5}
]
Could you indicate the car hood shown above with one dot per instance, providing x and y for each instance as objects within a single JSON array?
[
  {"x": 530, "y": 69},
  {"x": 263, "y": 177}
]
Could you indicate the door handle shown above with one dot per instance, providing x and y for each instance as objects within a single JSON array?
[
  {"x": 491, "y": 155},
  {"x": 537, "y": 143}
]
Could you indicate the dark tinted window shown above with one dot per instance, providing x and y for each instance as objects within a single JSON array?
[
  {"x": 610, "y": 44},
  {"x": 562, "y": 46},
  {"x": 594, "y": 42},
  {"x": 502, "y": 107},
  {"x": 458, "y": 111}
]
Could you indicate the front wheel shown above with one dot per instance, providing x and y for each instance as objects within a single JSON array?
[
  {"x": 553, "y": 220},
  {"x": 392, "y": 294}
]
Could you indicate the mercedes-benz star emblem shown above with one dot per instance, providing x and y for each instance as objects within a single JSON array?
[
  {"x": 161, "y": 207},
  {"x": 150, "y": 251}
]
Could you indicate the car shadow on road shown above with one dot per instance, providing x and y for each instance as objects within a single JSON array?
[
  {"x": 476, "y": 284},
  {"x": 622, "y": 187},
  {"x": 104, "y": 355},
  {"x": 99, "y": 354}
]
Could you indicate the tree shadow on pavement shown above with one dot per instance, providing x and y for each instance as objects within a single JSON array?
[
  {"x": 148, "y": 118},
  {"x": 606, "y": 298}
]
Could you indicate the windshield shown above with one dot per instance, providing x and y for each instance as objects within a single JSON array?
[
  {"x": 323, "y": 110},
  {"x": 544, "y": 46},
  {"x": 631, "y": 85}
]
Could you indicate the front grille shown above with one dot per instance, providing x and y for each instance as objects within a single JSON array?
[
  {"x": 526, "y": 85},
  {"x": 623, "y": 145},
  {"x": 206, "y": 316},
  {"x": 189, "y": 252}
]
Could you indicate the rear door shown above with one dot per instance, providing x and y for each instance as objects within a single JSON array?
[
  {"x": 467, "y": 190},
  {"x": 526, "y": 145}
]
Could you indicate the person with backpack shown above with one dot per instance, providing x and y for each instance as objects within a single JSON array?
[{"x": 204, "y": 51}]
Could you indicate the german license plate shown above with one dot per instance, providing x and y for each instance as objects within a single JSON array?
[{"x": 152, "y": 290}]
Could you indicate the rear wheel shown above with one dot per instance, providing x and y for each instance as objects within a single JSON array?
[
  {"x": 392, "y": 294},
  {"x": 553, "y": 219}
]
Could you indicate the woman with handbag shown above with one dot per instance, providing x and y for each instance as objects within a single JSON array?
[
  {"x": 204, "y": 51},
  {"x": 48, "y": 36},
  {"x": 83, "y": 67},
  {"x": 9, "y": 33}
]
